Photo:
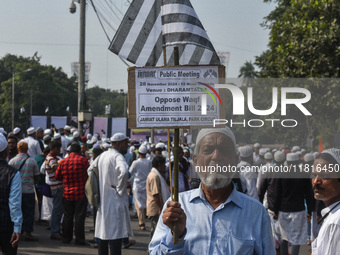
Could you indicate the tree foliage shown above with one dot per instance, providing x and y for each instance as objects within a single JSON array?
[
  {"x": 49, "y": 87},
  {"x": 97, "y": 98},
  {"x": 304, "y": 40},
  {"x": 248, "y": 73},
  {"x": 305, "y": 43}
]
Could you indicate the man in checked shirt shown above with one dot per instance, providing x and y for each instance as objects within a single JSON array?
[{"x": 73, "y": 172}]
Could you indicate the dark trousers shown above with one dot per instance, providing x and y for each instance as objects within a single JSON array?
[
  {"x": 27, "y": 207},
  {"x": 74, "y": 210},
  {"x": 5, "y": 244},
  {"x": 39, "y": 196},
  {"x": 115, "y": 247},
  {"x": 94, "y": 211},
  {"x": 154, "y": 220}
]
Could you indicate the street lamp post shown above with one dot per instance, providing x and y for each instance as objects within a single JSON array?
[
  {"x": 13, "y": 75},
  {"x": 81, "y": 72}
]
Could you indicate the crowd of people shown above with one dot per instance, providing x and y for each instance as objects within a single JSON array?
[{"x": 233, "y": 199}]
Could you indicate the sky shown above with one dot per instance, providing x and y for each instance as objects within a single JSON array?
[{"x": 47, "y": 27}]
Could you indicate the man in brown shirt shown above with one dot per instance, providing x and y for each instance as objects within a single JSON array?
[{"x": 157, "y": 191}]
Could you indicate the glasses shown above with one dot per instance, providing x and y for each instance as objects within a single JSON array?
[{"x": 11, "y": 142}]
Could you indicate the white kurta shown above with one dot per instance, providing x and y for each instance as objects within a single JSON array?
[
  {"x": 113, "y": 219},
  {"x": 293, "y": 227},
  {"x": 264, "y": 171},
  {"x": 327, "y": 241},
  {"x": 33, "y": 146},
  {"x": 140, "y": 170},
  {"x": 248, "y": 178}
]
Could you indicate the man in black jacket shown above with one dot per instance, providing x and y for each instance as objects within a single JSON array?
[
  {"x": 10, "y": 203},
  {"x": 267, "y": 187},
  {"x": 289, "y": 207}
]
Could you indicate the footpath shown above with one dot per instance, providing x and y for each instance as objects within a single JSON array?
[{"x": 46, "y": 246}]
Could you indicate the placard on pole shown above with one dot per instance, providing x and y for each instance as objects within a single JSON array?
[{"x": 175, "y": 96}]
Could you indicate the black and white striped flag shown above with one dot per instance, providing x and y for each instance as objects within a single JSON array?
[{"x": 150, "y": 25}]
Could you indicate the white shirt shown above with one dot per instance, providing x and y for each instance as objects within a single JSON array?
[
  {"x": 113, "y": 219},
  {"x": 255, "y": 157},
  {"x": 263, "y": 171},
  {"x": 64, "y": 144},
  {"x": 248, "y": 178},
  {"x": 33, "y": 146},
  {"x": 327, "y": 241},
  {"x": 140, "y": 170}
]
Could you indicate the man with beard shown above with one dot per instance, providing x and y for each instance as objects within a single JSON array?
[
  {"x": 215, "y": 218},
  {"x": 12, "y": 147}
]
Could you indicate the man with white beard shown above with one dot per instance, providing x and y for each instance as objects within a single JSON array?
[{"x": 215, "y": 218}]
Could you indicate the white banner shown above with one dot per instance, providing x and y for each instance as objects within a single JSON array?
[
  {"x": 176, "y": 96},
  {"x": 59, "y": 122},
  {"x": 39, "y": 121},
  {"x": 118, "y": 125}
]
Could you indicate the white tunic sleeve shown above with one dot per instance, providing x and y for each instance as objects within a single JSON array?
[{"x": 328, "y": 243}]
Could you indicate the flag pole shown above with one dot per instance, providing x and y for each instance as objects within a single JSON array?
[
  {"x": 169, "y": 144},
  {"x": 176, "y": 166}
]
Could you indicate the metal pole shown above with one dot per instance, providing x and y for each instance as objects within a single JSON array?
[
  {"x": 12, "y": 101},
  {"x": 30, "y": 109},
  {"x": 81, "y": 77}
]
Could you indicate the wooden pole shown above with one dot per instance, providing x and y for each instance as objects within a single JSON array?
[
  {"x": 176, "y": 163},
  {"x": 169, "y": 144},
  {"x": 170, "y": 166}
]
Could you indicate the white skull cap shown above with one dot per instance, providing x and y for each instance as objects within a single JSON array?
[
  {"x": 279, "y": 156},
  {"x": 30, "y": 131},
  {"x": 308, "y": 157},
  {"x": 292, "y": 157},
  {"x": 3, "y": 143},
  {"x": 47, "y": 132},
  {"x": 207, "y": 131},
  {"x": 268, "y": 155},
  {"x": 16, "y": 130},
  {"x": 142, "y": 149},
  {"x": 245, "y": 151},
  {"x": 335, "y": 153},
  {"x": 118, "y": 137}
]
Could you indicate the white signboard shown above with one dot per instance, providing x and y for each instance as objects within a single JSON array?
[{"x": 176, "y": 96}]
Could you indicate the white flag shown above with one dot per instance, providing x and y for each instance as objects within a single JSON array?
[
  {"x": 47, "y": 109},
  {"x": 22, "y": 109},
  {"x": 150, "y": 25},
  {"x": 107, "y": 109},
  {"x": 67, "y": 108}
]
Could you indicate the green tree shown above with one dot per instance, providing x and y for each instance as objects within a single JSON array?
[
  {"x": 304, "y": 43},
  {"x": 48, "y": 86},
  {"x": 248, "y": 73},
  {"x": 97, "y": 98}
]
